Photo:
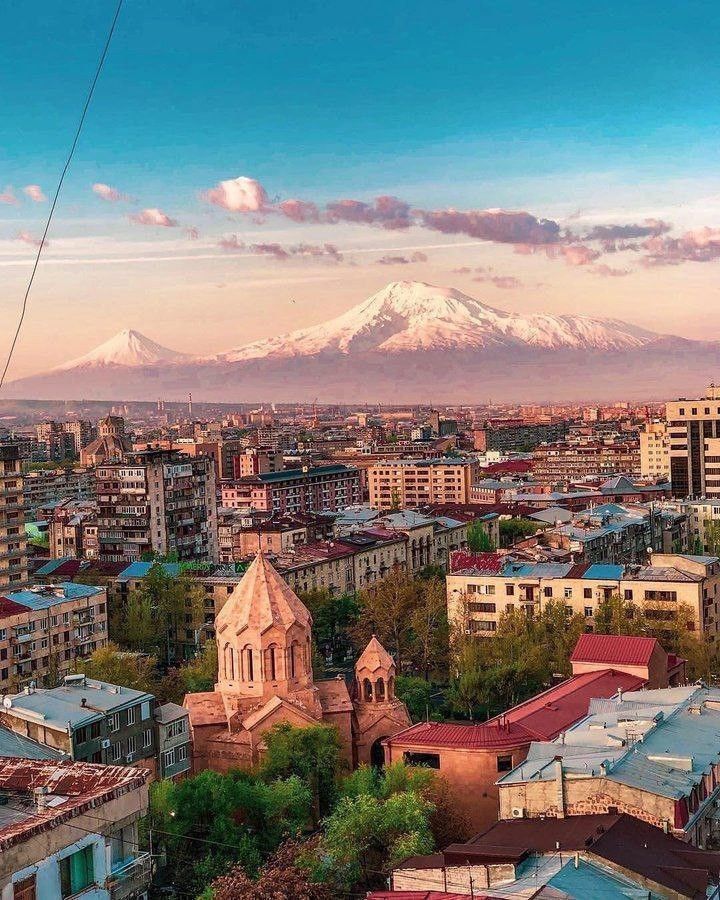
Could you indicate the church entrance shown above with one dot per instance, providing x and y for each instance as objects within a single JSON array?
[{"x": 377, "y": 753}]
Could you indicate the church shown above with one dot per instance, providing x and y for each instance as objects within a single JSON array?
[{"x": 264, "y": 644}]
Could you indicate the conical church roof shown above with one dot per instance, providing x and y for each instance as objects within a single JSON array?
[
  {"x": 374, "y": 657},
  {"x": 261, "y": 600}
]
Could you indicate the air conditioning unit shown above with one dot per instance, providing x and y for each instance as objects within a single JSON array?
[
  {"x": 105, "y": 743},
  {"x": 130, "y": 757},
  {"x": 517, "y": 812}
]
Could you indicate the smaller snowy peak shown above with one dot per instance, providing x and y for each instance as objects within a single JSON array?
[{"x": 127, "y": 348}]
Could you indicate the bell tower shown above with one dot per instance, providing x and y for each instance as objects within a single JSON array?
[{"x": 375, "y": 675}]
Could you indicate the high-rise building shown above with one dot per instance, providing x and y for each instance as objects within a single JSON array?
[
  {"x": 159, "y": 502},
  {"x": 655, "y": 451},
  {"x": 13, "y": 556},
  {"x": 402, "y": 483},
  {"x": 694, "y": 429}
]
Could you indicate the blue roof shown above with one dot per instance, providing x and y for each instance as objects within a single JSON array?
[
  {"x": 141, "y": 569},
  {"x": 45, "y": 597},
  {"x": 18, "y": 745},
  {"x": 50, "y": 567},
  {"x": 590, "y": 882},
  {"x": 604, "y": 572}
]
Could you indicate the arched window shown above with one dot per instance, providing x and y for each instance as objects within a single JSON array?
[
  {"x": 250, "y": 668},
  {"x": 229, "y": 663},
  {"x": 391, "y": 688},
  {"x": 379, "y": 690},
  {"x": 294, "y": 659},
  {"x": 271, "y": 663},
  {"x": 367, "y": 689}
]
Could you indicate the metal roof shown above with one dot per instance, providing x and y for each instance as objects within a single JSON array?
[
  {"x": 614, "y": 649},
  {"x": 141, "y": 569}
]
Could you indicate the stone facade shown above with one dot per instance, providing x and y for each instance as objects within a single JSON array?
[{"x": 264, "y": 641}]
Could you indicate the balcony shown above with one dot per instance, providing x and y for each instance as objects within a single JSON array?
[{"x": 129, "y": 876}]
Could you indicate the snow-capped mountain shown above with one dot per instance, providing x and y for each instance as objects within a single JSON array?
[
  {"x": 409, "y": 316},
  {"x": 126, "y": 348},
  {"x": 411, "y": 342}
]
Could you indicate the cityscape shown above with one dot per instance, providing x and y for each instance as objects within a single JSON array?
[{"x": 359, "y": 452}]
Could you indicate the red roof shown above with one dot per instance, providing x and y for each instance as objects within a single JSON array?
[
  {"x": 421, "y": 895},
  {"x": 614, "y": 649},
  {"x": 510, "y": 465},
  {"x": 541, "y": 718},
  {"x": 9, "y": 607},
  {"x": 463, "y": 560}
]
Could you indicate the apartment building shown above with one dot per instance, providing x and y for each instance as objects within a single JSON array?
[
  {"x": 13, "y": 556},
  {"x": 655, "y": 451},
  {"x": 406, "y": 483},
  {"x": 292, "y": 491},
  {"x": 72, "y": 530},
  {"x": 157, "y": 501},
  {"x": 482, "y": 586},
  {"x": 704, "y": 522},
  {"x": 45, "y": 629},
  {"x": 256, "y": 461},
  {"x": 71, "y": 830},
  {"x": 694, "y": 429},
  {"x": 653, "y": 754},
  {"x": 64, "y": 439},
  {"x": 517, "y": 435},
  {"x": 565, "y": 462},
  {"x": 43, "y": 488}
]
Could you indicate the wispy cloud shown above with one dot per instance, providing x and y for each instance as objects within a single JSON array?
[
  {"x": 701, "y": 245},
  {"x": 8, "y": 197},
  {"x": 108, "y": 193},
  {"x": 401, "y": 260},
  {"x": 153, "y": 216},
  {"x": 35, "y": 193},
  {"x": 26, "y": 238}
]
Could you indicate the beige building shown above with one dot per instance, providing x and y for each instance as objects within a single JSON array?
[
  {"x": 403, "y": 483},
  {"x": 655, "y": 451},
  {"x": 13, "y": 557},
  {"x": 694, "y": 430},
  {"x": 45, "y": 630},
  {"x": 703, "y": 518},
  {"x": 488, "y": 585}
]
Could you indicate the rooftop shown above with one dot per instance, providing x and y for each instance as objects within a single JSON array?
[
  {"x": 612, "y": 649},
  {"x": 45, "y": 596}
]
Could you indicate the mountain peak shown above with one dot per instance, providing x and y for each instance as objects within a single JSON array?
[
  {"x": 126, "y": 348},
  {"x": 409, "y": 316}
]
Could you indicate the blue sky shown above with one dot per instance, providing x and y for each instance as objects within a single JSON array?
[{"x": 608, "y": 110}]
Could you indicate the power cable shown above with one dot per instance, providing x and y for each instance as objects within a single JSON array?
[{"x": 70, "y": 155}]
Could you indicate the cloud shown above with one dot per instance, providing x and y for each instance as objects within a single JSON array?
[
  {"x": 192, "y": 233},
  {"x": 701, "y": 245},
  {"x": 232, "y": 242},
  {"x": 153, "y": 216},
  {"x": 462, "y": 270},
  {"x": 609, "y": 271},
  {"x": 497, "y": 225},
  {"x": 299, "y": 210},
  {"x": 401, "y": 260},
  {"x": 649, "y": 228},
  {"x": 270, "y": 249},
  {"x": 388, "y": 212},
  {"x": 35, "y": 193},
  {"x": 28, "y": 238},
  {"x": 8, "y": 197},
  {"x": 506, "y": 282},
  {"x": 238, "y": 195},
  {"x": 317, "y": 250},
  {"x": 278, "y": 251},
  {"x": 108, "y": 193},
  {"x": 573, "y": 254}
]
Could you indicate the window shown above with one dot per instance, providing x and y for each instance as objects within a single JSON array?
[
  {"x": 568, "y": 593},
  {"x": 145, "y": 710},
  {"x": 131, "y": 716},
  {"x": 147, "y": 738},
  {"x": 182, "y": 753},
  {"x": 547, "y": 591},
  {"x": 131, "y": 744},
  {"x": 77, "y": 872},
  {"x": 628, "y": 594},
  {"x": 588, "y": 612},
  {"x": 168, "y": 759},
  {"x": 510, "y": 590},
  {"x": 587, "y": 593},
  {"x": 25, "y": 889},
  {"x": 114, "y": 722},
  {"x": 504, "y": 763},
  {"x": 426, "y": 760}
]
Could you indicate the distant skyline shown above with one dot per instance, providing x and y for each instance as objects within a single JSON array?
[{"x": 597, "y": 128}]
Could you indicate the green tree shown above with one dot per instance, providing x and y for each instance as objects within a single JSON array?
[
  {"x": 117, "y": 666},
  {"x": 712, "y": 536},
  {"x": 513, "y": 530},
  {"x": 478, "y": 539},
  {"x": 312, "y": 753},
  {"x": 615, "y": 615},
  {"x": 416, "y": 693},
  {"x": 333, "y": 619}
]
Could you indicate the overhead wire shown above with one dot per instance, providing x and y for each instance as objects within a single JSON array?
[{"x": 61, "y": 180}]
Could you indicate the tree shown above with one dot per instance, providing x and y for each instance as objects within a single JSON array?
[
  {"x": 615, "y": 615},
  {"x": 333, "y": 619},
  {"x": 210, "y": 822},
  {"x": 428, "y": 649},
  {"x": 313, "y": 753},
  {"x": 478, "y": 539},
  {"x": 117, "y": 666},
  {"x": 281, "y": 878},
  {"x": 366, "y": 835},
  {"x": 512, "y": 530},
  {"x": 416, "y": 694},
  {"x": 712, "y": 536}
]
